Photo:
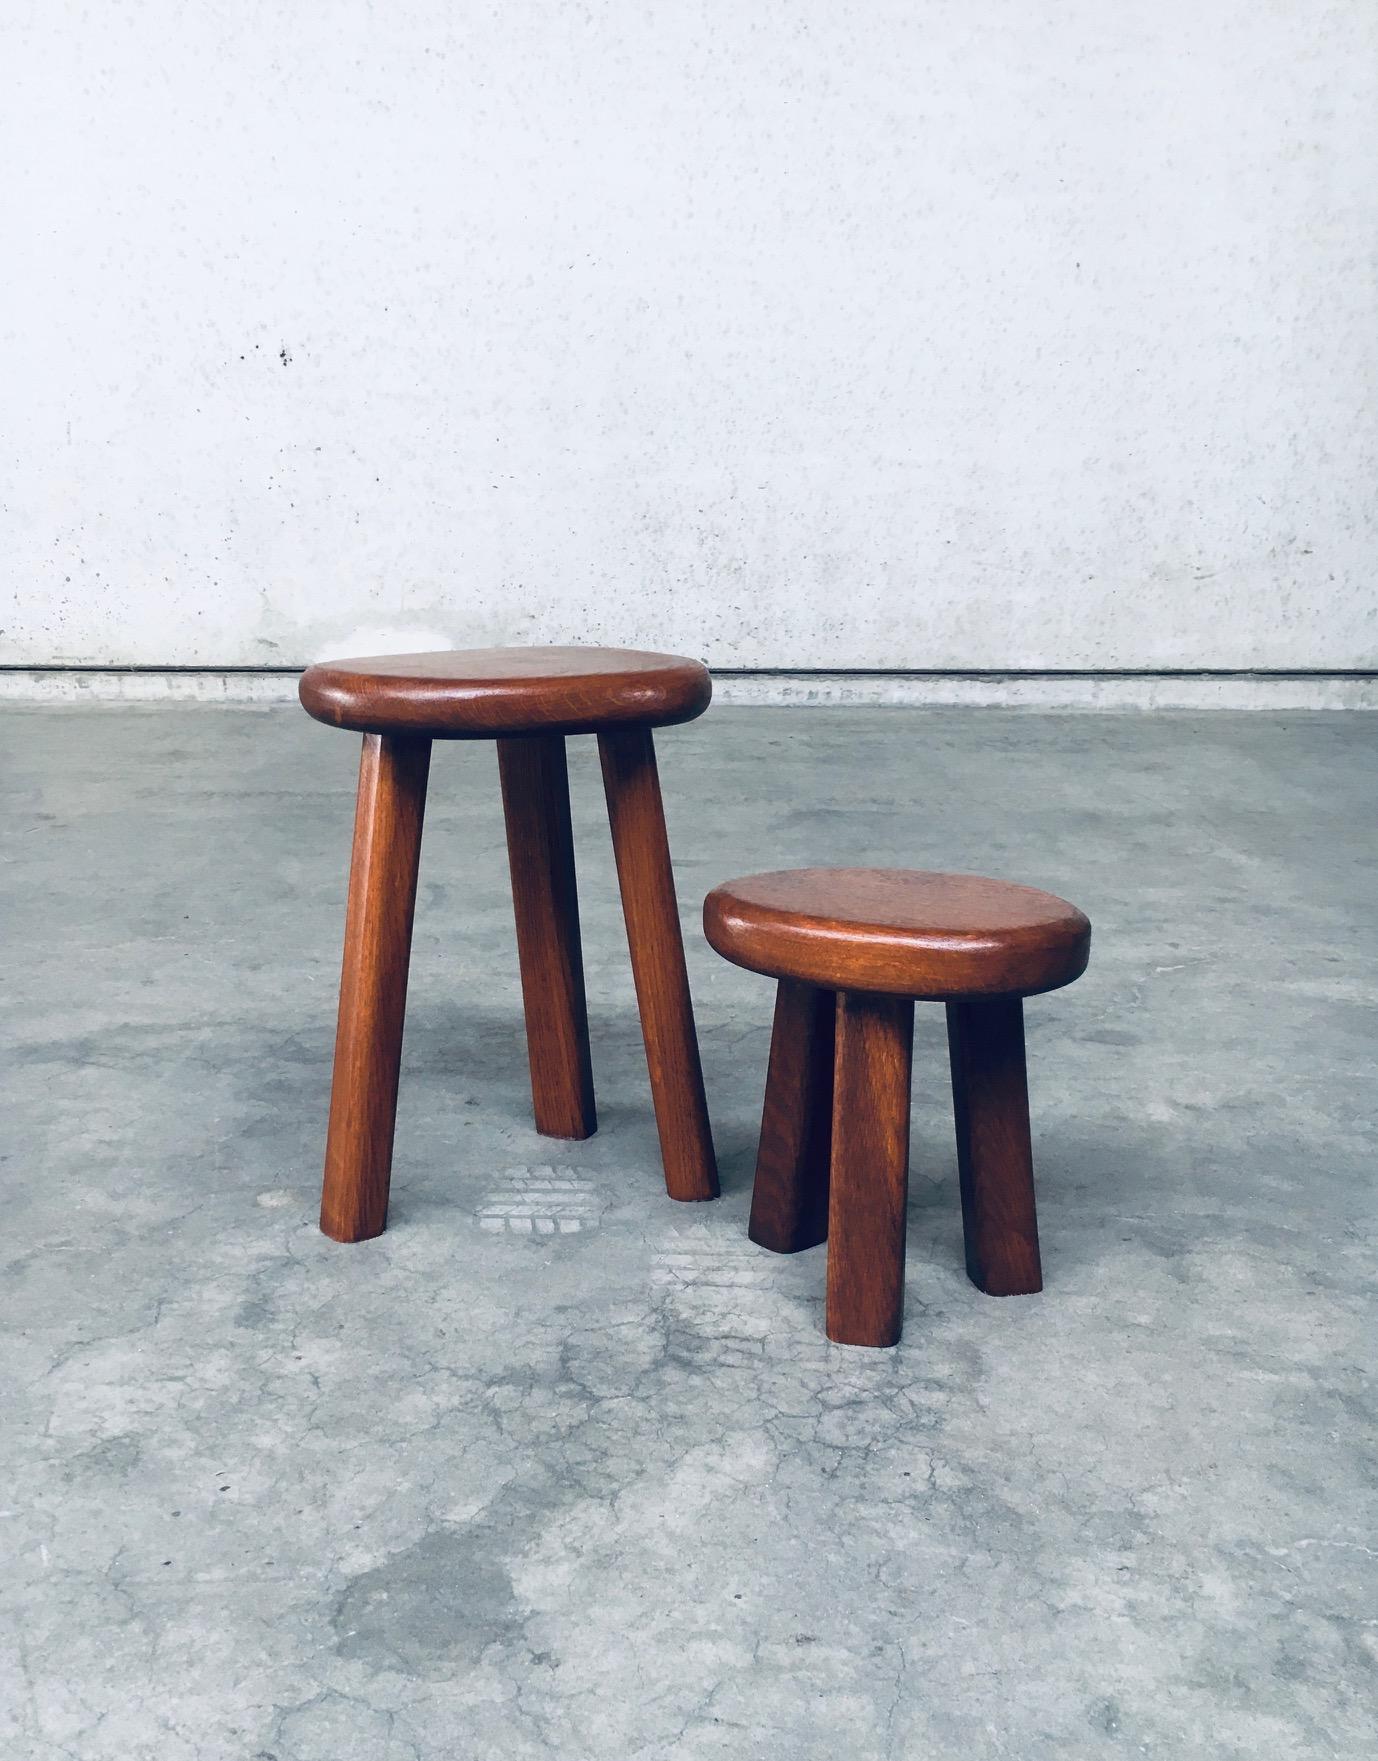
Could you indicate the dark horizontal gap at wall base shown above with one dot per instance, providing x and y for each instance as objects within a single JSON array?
[
  {"x": 809, "y": 672},
  {"x": 1002, "y": 672}
]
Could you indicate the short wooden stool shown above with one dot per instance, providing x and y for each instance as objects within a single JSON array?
[
  {"x": 527, "y": 700},
  {"x": 853, "y": 949}
]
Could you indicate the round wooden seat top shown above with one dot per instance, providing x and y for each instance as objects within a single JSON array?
[
  {"x": 484, "y": 693},
  {"x": 900, "y": 931}
]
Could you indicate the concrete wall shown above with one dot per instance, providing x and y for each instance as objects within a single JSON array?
[{"x": 931, "y": 333}]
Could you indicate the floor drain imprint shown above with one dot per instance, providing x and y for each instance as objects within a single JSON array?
[
  {"x": 719, "y": 1294},
  {"x": 541, "y": 1201},
  {"x": 702, "y": 1259}
]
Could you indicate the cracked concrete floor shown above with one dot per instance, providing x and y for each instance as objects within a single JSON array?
[{"x": 559, "y": 1468}]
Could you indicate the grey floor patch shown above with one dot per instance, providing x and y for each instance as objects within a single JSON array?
[
  {"x": 449, "y": 1496},
  {"x": 433, "y": 1607}
]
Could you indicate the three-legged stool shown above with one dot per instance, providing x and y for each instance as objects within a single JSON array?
[
  {"x": 527, "y": 700},
  {"x": 853, "y": 949}
]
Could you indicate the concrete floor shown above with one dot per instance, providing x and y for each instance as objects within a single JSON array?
[{"x": 558, "y": 1468}]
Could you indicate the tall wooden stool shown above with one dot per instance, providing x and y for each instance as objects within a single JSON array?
[
  {"x": 527, "y": 700},
  {"x": 853, "y": 949}
]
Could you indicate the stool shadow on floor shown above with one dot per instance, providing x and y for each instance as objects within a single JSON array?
[
  {"x": 736, "y": 1142},
  {"x": 464, "y": 1064},
  {"x": 475, "y": 1048}
]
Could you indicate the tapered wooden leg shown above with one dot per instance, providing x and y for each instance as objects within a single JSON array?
[
  {"x": 545, "y": 899},
  {"x": 990, "y": 1098},
  {"x": 373, "y": 985},
  {"x": 870, "y": 1168},
  {"x": 657, "y": 948},
  {"x": 789, "y": 1202}
]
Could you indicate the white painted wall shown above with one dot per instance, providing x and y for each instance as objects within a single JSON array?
[{"x": 795, "y": 333}]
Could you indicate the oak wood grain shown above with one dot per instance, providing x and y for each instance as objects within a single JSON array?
[
  {"x": 480, "y": 693},
  {"x": 902, "y": 931},
  {"x": 545, "y": 902},
  {"x": 789, "y": 1200},
  {"x": 646, "y": 878},
  {"x": 870, "y": 1169},
  {"x": 373, "y": 985},
  {"x": 994, "y": 1157}
]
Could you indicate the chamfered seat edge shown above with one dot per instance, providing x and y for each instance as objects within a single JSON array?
[
  {"x": 1048, "y": 950},
  {"x": 492, "y": 693}
]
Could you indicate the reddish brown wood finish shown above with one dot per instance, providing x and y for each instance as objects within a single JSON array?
[
  {"x": 527, "y": 699},
  {"x": 881, "y": 939},
  {"x": 480, "y": 693},
  {"x": 990, "y": 1099},
  {"x": 870, "y": 1169},
  {"x": 373, "y": 985},
  {"x": 789, "y": 1201},
  {"x": 545, "y": 901},
  {"x": 902, "y": 931},
  {"x": 647, "y": 880}
]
